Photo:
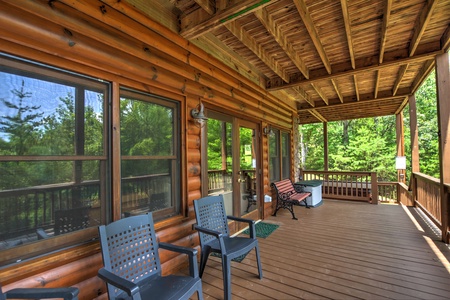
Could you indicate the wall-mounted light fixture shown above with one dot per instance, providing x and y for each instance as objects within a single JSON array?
[
  {"x": 198, "y": 115},
  {"x": 268, "y": 131}
]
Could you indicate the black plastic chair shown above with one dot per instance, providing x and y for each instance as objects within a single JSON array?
[
  {"x": 132, "y": 268},
  {"x": 212, "y": 225},
  {"x": 69, "y": 293}
]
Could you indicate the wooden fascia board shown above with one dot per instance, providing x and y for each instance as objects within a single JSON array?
[
  {"x": 268, "y": 23},
  {"x": 348, "y": 31},
  {"x": 250, "y": 43},
  {"x": 384, "y": 28},
  {"x": 309, "y": 24},
  {"x": 421, "y": 25},
  {"x": 371, "y": 68},
  {"x": 200, "y": 22}
]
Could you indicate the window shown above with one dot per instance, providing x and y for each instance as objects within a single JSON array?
[
  {"x": 279, "y": 165},
  {"x": 149, "y": 134},
  {"x": 53, "y": 156}
]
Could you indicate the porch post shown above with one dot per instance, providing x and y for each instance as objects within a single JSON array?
[
  {"x": 443, "y": 111},
  {"x": 414, "y": 133},
  {"x": 400, "y": 137},
  {"x": 325, "y": 146}
]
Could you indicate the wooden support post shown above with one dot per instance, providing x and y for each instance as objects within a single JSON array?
[
  {"x": 374, "y": 187},
  {"x": 400, "y": 137},
  {"x": 443, "y": 110},
  {"x": 325, "y": 146},
  {"x": 414, "y": 133}
]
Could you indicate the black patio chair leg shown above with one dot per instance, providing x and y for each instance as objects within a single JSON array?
[
  {"x": 258, "y": 261},
  {"x": 226, "y": 270},
  {"x": 203, "y": 260}
]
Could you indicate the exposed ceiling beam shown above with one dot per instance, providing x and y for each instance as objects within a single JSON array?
[
  {"x": 199, "y": 22},
  {"x": 320, "y": 92},
  {"x": 270, "y": 25},
  {"x": 384, "y": 28},
  {"x": 421, "y": 25},
  {"x": 424, "y": 72},
  {"x": 402, "y": 106},
  {"x": 309, "y": 24},
  {"x": 401, "y": 74},
  {"x": 445, "y": 39},
  {"x": 371, "y": 68},
  {"x": 253, "y": 45},
  {"x": 337, "y": 90},
  {"x": 348, "y": 31}
]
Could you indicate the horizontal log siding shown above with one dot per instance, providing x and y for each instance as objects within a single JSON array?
[{"x": 115, "y": 44}]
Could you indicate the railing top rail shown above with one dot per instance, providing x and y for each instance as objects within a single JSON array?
[
  {"x": 387, "y": 182},
  {"x": 426, "y": 177},
  {"x": 364, "y": 173}
]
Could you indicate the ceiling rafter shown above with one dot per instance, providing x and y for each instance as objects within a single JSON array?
[
  {"x": 377, "y": 84},
  {"x": 207, "y": 5},
  {"x": 320, "y": 92},
  {"x": 401, "y": 74},
  {"x": 302, "y": 93},
  {"x": 370, "y": 68},
  {"x": 384, "y": 28},
  {"x": 199, "y": 22},
  {"x": 355, "y": 82},
  {"x": 445, "y": 39},
  {"x": 317, "y": 115},
  {"x": 348, "y": 31},
  {"x": 421, "y": 24},
  {"x": 337, "y": 90},
  {"x": 309, "y": 24},
  {"x": 402, "y": 106},
  {"x": 269, "y": 23},
  {"x": 363, "y": 97},
  {"x": 250, "y": 43}
]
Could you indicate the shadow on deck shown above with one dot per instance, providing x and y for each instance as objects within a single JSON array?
[{"x": 342, "y": 250}]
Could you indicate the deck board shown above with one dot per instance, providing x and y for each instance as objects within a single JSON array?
[{"x": 341, "y": 250}]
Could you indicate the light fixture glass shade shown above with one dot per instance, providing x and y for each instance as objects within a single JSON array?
[
  {"x": 400, "y": 162},
  {"x": 198, "y": 115}
]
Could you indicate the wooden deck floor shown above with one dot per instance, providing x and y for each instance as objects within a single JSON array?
[{"x": 341, "y": 250}]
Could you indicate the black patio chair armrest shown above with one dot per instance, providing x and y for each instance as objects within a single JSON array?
[
  {"x": 127, "y": 286},
  {"x": 191, "y": 253},
  {"x": 69, "y": 293},
  {"x": 217, "y": 234},
  {"x": 251, "y": 224}
]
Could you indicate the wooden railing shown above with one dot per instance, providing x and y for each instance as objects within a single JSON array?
[
  {"x": 428, "y": 196},
  {"x": 361, "y": 186},
  {"x": 221, "y": 180},
  {"x": 388, "y": 192},
  {"x": 404, "y": 195}
]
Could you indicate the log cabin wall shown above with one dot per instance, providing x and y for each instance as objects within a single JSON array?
[{"x": 118, "y": 44}]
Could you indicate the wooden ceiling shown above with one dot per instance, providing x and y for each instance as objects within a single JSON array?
[{"x": 331, "y": 60}]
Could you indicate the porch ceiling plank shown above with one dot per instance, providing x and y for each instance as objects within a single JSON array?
[
  {"x": 253, "y": 45},
  {"x": 421, "y": 25},
  {"x": 384, "y": 29},
  {"x": 348, "y": 31},
  {"x": 401, "y": 74},
  {"x": 200, "y": 22},
  {"x": 309, "y": 24},
  {"x": 281, "y": 39}
]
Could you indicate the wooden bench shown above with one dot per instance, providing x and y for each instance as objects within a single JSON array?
[{"x": 288, "y": 196}]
